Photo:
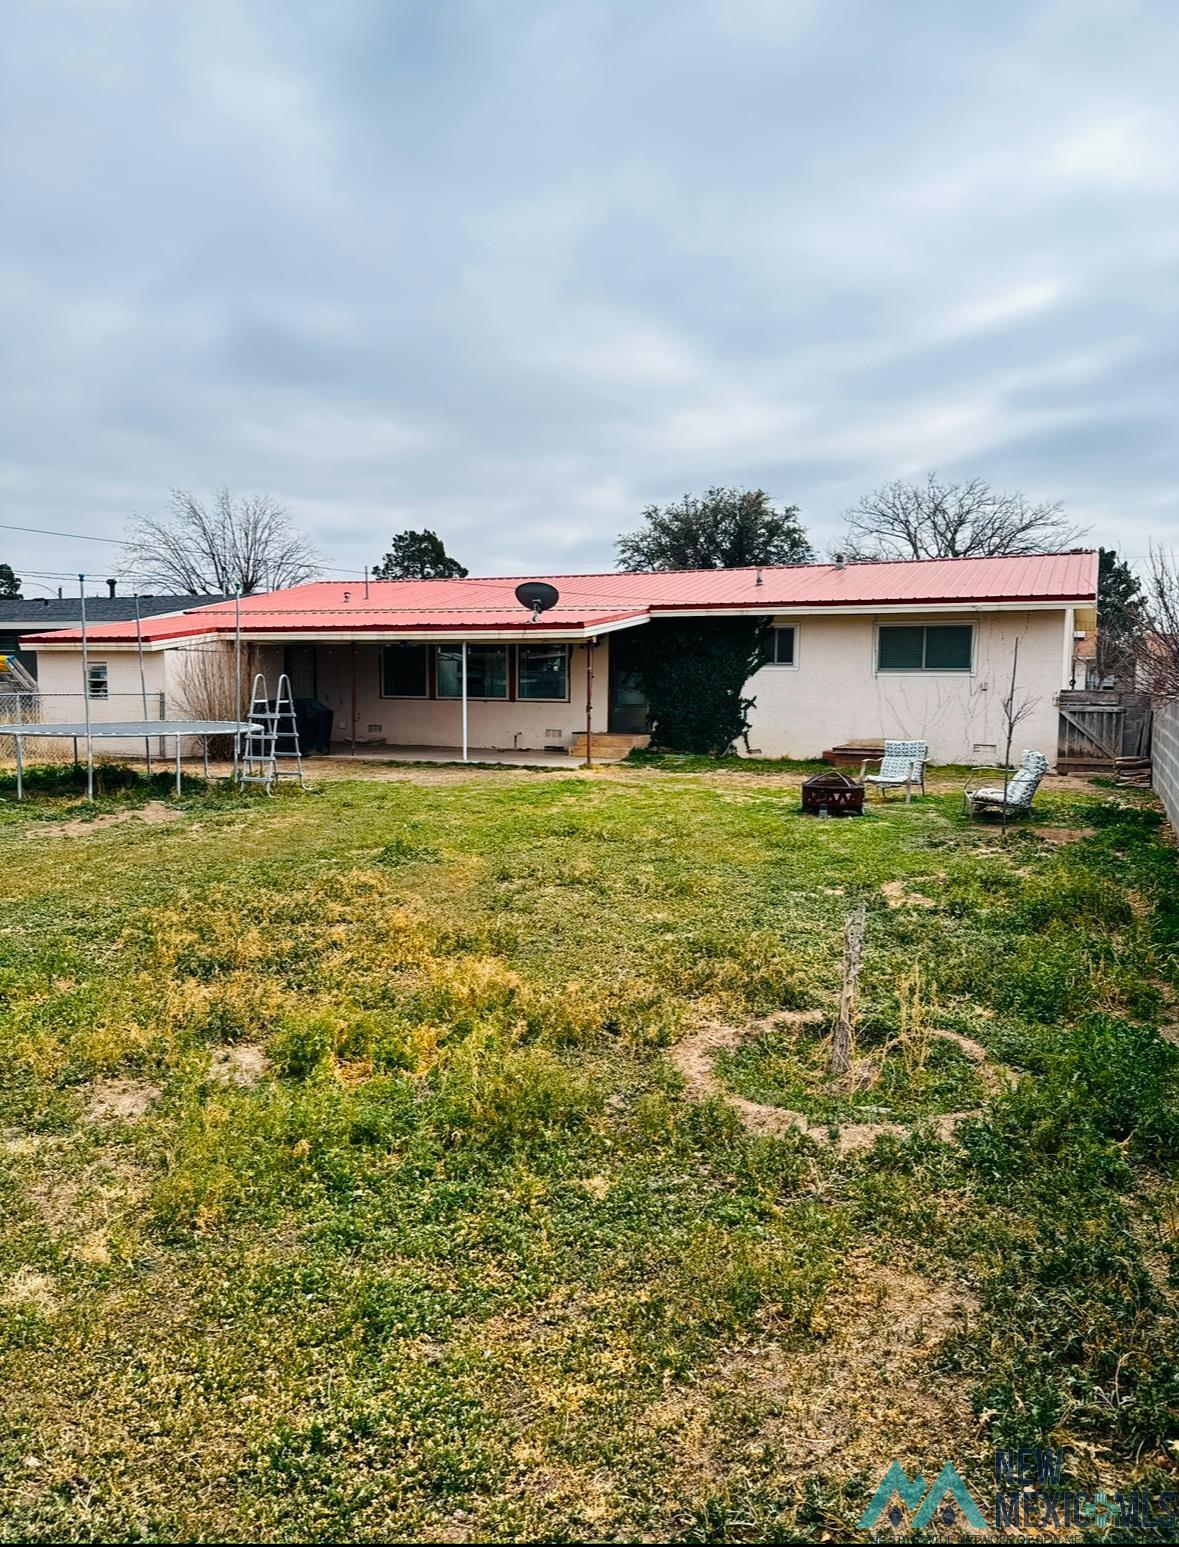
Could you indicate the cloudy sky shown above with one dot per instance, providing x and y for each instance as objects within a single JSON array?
[{"x": 513, "y": 269}]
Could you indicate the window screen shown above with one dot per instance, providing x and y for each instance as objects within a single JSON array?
[
  {"x": 948, "y": 648},
  {"x": 405, "y": 671},
  {"x": 487, "y": 671},
  {"x": 933, "y": 647},
  {"x": 96, "y": 683},
  {"x": 779, "y": 647},
  {"x": 543, "y": 672}
]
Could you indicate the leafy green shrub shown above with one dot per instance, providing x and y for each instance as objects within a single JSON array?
[{"x": 693, "y": 674}]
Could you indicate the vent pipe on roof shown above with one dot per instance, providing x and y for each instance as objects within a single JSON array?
[
  {"x": 758, "y": 580},
  {"x": 110, "y": 585},
  {"x": 840, "y": 561}
]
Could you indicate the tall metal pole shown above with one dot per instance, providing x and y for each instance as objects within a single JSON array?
[
  {"x": 237, "y": 678},
  {"x": 589, "y": 702},
  {"x": 142, "y": 683},
  {"x": 86, "y": 692},
  {"x": 354, "y": 698},
  {"x": 466, "y": 738}
]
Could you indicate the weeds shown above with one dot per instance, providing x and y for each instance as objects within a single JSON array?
[{"x": 464, "y": 1260}]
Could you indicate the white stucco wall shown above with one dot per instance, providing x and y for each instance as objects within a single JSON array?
[
  {"x": 835, "y": 694},
  {"x": 832, "y": 694}
]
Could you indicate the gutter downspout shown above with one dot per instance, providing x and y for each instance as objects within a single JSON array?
[
  {"x": 1070, "y": 647},
  {"x": 589, "y": 702}
]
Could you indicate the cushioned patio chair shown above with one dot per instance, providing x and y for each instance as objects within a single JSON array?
[
  {"x": 902, "y": 766},
  {"x": 1021, "y": 786}
]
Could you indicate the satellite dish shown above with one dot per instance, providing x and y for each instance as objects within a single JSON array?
[{"x": 538, "y": 596}]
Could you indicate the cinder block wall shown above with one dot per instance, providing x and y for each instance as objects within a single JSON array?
[{"x": 1165, "y": 758}]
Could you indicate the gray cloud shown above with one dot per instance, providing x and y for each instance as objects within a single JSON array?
[{"x": 512, "y": 270}]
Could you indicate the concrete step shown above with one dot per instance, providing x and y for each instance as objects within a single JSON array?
[{"x": 608, "y": 746}]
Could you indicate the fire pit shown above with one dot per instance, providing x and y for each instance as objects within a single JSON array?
[{"x": 832, "y": 794}]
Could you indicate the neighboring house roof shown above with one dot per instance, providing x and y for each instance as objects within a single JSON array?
[
  {"x": 42, "y": 612},
  {"x": 591, "y": 604}
]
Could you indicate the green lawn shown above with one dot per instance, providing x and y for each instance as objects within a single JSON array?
[{"x": 348, "y": 1190}]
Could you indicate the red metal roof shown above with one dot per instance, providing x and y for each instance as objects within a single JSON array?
[{"x": 592, "y": 602}]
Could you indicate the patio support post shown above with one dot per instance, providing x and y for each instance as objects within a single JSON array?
[
  {"x": 466, "y": 747},
  {"x": 589, "y": 702},
  {"x": 86, "y": 691},
  {"x": 353, "y": 698}
]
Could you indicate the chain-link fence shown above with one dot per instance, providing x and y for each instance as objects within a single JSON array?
[{"x": 25, "y": 708}]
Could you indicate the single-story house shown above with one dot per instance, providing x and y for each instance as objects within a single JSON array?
[
  {"x": 859, "y": 651},
  {"x": 35, "y": 614}
]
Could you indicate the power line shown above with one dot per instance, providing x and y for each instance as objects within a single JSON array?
[
  {"x": 121, "y": 542},
  {"x": 44, "y": 531}
]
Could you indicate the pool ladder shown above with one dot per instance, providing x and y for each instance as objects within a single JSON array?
[{"x": 268, "y": 745}]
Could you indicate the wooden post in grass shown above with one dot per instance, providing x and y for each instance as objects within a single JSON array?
[{"x": 853, "y": 955}]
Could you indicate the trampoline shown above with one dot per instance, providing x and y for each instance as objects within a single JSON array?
[{"x": 118, "y": 730}]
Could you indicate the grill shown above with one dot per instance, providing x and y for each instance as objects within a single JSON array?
[{"x": 832, "y": 794}]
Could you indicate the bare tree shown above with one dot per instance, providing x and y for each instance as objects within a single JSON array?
[
  {"x": 219, "y": 546},
  {"x": 1158, "y": 640},
  {"x": 936, "y": 520},
  {"x": 1015, "y": 709}
]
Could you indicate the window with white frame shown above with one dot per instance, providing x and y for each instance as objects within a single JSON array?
[
  {"x": 924, "y": 646},
  {"x": 487, "y": 671},
  {"x": 96, "y": 680},
  {"x": 542, "y": 672},
  {"x": 405, "y": 671},
  {"x": 778, "y": 649}
]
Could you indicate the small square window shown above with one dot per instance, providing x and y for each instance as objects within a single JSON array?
[
  {"x": 96, "y": 680},
  {"x": 405, "y": 671},
  {"x": 779, "y": 647}
]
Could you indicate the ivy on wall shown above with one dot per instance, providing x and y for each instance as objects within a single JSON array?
[{"x": 694, "y": 675}]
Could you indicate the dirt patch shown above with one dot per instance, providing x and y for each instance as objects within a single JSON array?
[
  {"x": 898, "y": 897},
  {"x": 123, "y": 1101},
  {"x": 154, "y": 814},
  {"x": 1064, "y": 834},
  {"x": 244, "y": 1063},
  {"x": 694, "y": 1057},
  {"x": 1170, "y": 1034}
]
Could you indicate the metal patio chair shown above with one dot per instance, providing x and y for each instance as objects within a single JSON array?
[
  {"x": 1022, "y": 785},
  {"x": 902, "y": 766}
]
